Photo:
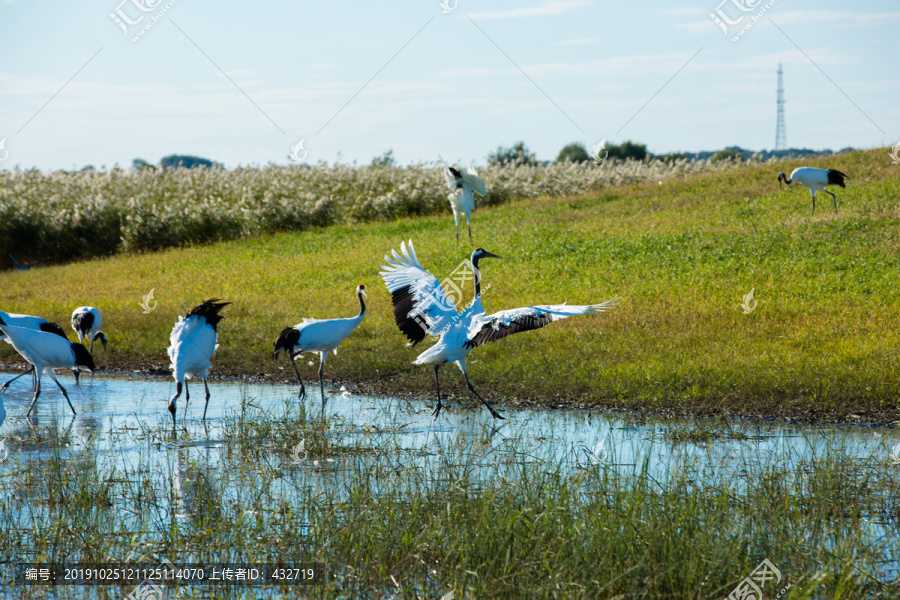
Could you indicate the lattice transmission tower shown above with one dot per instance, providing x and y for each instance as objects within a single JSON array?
[{"x": 780, "y": 135}]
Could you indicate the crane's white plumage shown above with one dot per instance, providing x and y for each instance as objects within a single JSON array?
[
  {"x": 318, "y": 335},
  {"x": 46, "y": 352},
  {"x": 421, "y": 308},
  {"x": 86, "y": 322},
  {"x": 191, "y": 345},
  {"x": 465, "y": 184},
  {"x": 28, "y": 322},
  {"x": 815, "y": 180}
]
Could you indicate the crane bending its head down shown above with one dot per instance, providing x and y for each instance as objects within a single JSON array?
[
  {"x": 28, "y": 322},
  {"x": 46, "y": 352},
  {"x": 815, "y": 180}
]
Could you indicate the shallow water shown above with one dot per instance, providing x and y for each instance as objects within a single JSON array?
[
  {"x": 120, "y": 417},
  {"x": 109, "y": 404}
]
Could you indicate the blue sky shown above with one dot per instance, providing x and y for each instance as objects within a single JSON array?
[{"x": 457, "y": 84}]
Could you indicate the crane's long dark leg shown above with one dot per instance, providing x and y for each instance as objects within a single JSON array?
[
  {"x": 6, "y": 385},
  {"x": 172, "y": 404},
  {"x": 187, "y": 398},
  {"x": 814, "y": 204},
  {"x": 63, "y": 390},
  {"x": 494, "y": 413},
  {"x": 437, "y": 382},
  {"x": 300, "y": 379},
  {"x": 323, "y": 356},
  {"x": 205, "y": 406},
  {"x": 833, "y": 199},
  {"x": 37, "y": 392},
  {"x": 469, "y": 226}
]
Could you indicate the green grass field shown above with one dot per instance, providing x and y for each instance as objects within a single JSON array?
[{"x": 820, "y": 344}]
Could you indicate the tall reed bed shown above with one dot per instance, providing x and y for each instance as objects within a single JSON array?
[{"x": 51, "y": 217}]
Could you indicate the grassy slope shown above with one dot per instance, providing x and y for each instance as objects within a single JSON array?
[{"x": 681, "y": 254}]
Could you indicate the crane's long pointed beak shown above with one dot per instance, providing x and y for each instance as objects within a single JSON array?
[{"x": 489, "y": 255}]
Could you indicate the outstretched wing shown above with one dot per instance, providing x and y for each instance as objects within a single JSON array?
[
  {"x": 472, "y": 180},
  {"x": 420, "y": 305},
  {"x": 507, "y": 322}
]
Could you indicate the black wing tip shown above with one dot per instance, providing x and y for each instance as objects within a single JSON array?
[
  {"x": 836, "y": 177},
  {"x": 53, "y": 328},
  {"x": 209, "y": 310},
  {"x": 524, "y": 323},
  {"x": 404, "y": 303},
  {"x": 286, "y": 341},
  {"x": 83, "y": 358}
]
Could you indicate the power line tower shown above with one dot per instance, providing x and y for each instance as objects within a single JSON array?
[{"x": 780, "y": 135}]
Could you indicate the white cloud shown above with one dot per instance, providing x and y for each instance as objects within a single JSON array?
[{"x": 554, "y": 7}]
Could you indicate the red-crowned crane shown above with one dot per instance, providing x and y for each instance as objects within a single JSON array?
[
  {"x": 815, "y": 180},
  {"x": 28, "y": 322},
  {"x": 421, "y": 308},
  {"x": 318, "y": 335},
  {"x": 464, "y": 185},
  {"x": 192, "y": 344},
  {"x": 86, "y": 321},
  {"x": 46, "y": 352}
]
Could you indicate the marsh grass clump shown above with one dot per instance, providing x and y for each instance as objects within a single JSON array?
[
  {"x": 298, "y": 431},
  {"x": 702, "y": 431},
  {"x": 483, "y": 515}
]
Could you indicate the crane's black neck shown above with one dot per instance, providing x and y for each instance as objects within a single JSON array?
[
  {"x": 362, "y": 303},
  {"x": 477, "y": 276}
]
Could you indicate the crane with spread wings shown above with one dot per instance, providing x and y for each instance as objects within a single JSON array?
[{"x": 422, "y": 308}]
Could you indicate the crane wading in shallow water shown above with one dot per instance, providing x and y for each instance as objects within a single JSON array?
[
  {"x": 815, "y": 180},
  {"x": 318, "y": 335},
  {"x": 464, "y": 185},
  {"x": 46, "y": 352},
  {"x": 192, "y": 344},
  {"x": 28, "y": 322},
  {"x": 421, "y": 308}
]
